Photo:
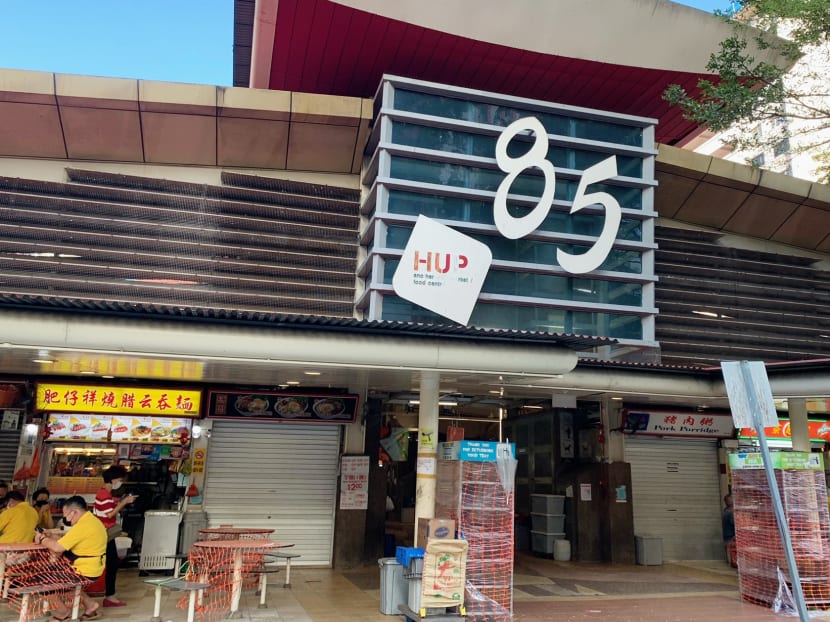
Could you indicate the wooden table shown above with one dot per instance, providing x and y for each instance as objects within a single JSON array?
[
  {"x": 237, "y": 548},
  {"x": 227, "y": 532}
]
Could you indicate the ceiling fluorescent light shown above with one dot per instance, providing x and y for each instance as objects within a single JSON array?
[{"x": 416, "y": 402}]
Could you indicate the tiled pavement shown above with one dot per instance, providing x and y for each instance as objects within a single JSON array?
[{"x": 544, "y": 590}]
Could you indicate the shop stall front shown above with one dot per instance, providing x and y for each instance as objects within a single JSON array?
[
  {"x": 272, "y": 461},
  {"x": 89, "y": 427}
]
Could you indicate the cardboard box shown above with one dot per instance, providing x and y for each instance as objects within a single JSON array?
[{"x": 434, "y": 529}]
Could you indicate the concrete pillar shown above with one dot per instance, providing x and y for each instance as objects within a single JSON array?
[
  {"x": 799, "y": 429},
  {"x": 427, "y": 446},
  {"x": 611, "y": 418}
]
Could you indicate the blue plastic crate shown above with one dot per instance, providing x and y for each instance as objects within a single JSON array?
[{"x": 404, "y": 554}]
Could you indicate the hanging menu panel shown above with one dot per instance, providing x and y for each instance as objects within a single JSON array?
[{"x": 283, "y": 407}]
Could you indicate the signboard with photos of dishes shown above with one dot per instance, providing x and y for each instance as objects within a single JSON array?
[
  {"x": 283, "y": 407},
  {"x": 118, "y": 428}
]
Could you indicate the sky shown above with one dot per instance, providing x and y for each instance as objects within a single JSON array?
[{"x": 168, "y": 40}]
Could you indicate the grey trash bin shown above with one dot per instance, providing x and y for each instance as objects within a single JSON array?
[
  {"x": 649, "y": 550},
  {"x": 192, "y": 522},
  {"x": 393, "y": 587}
]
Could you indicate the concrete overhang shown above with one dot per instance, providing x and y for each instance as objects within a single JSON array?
[
  {"x": 733, "y": 198},
  {"x": 263, "y": 355},
  {"x": 73, "y": 117},
  {"x": 618, "y": 56}
]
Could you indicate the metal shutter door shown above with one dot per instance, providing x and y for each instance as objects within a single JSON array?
[
  {"x": 676, "y": 495},
  {"x": 278, "y": 476},
  {"x": 9, "y": 445}
]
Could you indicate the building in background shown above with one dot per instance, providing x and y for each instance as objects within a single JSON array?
[{"x": 791, "y": 143}]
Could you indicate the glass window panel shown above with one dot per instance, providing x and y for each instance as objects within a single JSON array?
[
  {"x": 528, "y": 183},
  {"x": 521, "y": 465},
  {"x": 562, "y": 288},
  {"x": 467, "y": 210},
  {"x": 542, "y": 433},
  {"x": 542, "y": 466},
  {"x": 522, "y": 438},
  {"x": 494, "y": 114},
  {"x": 453, "y": 141},
  {"x": 512, "y": 317},
  {"x": 397, "y": 237},
  {"x": 529, "y": 251},
  {"x": 389, "y": 267}
]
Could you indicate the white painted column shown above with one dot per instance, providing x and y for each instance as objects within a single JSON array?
[
  {"x": 427, "y": 446},
  {"x": 611, "y": 418},
  {"x": 798, "y": 423}
]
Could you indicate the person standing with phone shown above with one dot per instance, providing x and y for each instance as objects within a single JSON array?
[{"x": 106, "y": 508}]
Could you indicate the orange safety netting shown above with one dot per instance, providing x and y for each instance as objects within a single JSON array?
[
  {"x": 229, "y": 566},
  {"x": 39, "y": 578},
  {"x": 472, "y": 494},
  {"x": 762, "y": 564}
]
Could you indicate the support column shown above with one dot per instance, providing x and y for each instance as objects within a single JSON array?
[
  {"x": 611, "y": 418},
  {"x": 799, "y": 428},
  {"x": 427, "y": 446}
]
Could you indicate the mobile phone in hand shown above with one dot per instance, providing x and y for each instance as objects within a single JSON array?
[{"x": 39, "y": 529}]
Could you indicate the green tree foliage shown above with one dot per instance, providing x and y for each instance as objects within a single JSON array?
[{"x": 762, "y": 106}]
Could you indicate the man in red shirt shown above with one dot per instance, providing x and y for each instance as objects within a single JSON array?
[{"x": 106, "y": 508}]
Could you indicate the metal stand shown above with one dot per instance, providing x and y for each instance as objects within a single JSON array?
[{"x": 438, "y": 617}]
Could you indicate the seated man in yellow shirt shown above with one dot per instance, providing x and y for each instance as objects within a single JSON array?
[
  {"x": 86, "y": 545},
  {"x": 18, "y": 522}
]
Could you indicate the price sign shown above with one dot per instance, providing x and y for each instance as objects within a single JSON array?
[{"x": 354, "y": 483}]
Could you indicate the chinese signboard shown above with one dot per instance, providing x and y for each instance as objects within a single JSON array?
[
  {"x": 819, "y": 431},
  {"x": 669, "y": 423},
  {"x": 118, "y": 428},
  {"x": 126, "y": 367},
  {"x": 81, "y": 398},
  {"x": 282, "y": 407},
  {"x": 354, "y": 483}
]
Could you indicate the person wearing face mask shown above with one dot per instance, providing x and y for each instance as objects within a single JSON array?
[
  {"x": 84, "y": 546},
  {"x": 40, "y": 501},
  {"x": 106, "y": 508}
]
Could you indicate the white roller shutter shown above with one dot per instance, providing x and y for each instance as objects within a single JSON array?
[
  {"x": 9, "y": 446},
  {"x": 278, "y": 476},
  {"x": 676, "y": 495}
]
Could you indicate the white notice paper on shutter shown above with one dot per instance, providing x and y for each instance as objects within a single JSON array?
[{"x": 354, "y": 482}]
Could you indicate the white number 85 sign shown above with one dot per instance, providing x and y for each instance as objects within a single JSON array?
[{"x": 514, "y": 228}]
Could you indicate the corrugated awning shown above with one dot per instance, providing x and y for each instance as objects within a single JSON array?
[{"x": 276, "y": 320}]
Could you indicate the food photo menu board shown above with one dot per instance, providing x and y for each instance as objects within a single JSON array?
[
  {"x": 283, "y": 407},
  {"x": 118, "y": 428}
]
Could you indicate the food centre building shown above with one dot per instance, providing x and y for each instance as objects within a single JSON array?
[{"x": 405, "y": 221}]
